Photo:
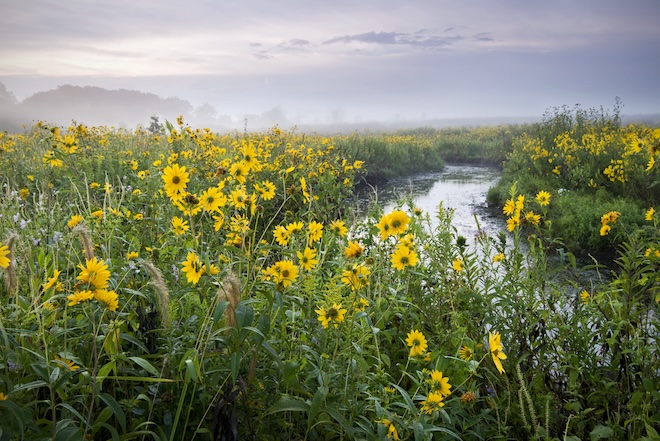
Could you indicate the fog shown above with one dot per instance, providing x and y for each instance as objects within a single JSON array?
[{"x": 317, "y": 64}]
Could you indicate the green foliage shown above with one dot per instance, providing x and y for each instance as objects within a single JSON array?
[
  {"x": 390, "y": 326},
  {"x": 591, "y": 165}
]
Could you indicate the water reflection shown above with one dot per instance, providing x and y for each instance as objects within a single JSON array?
[{"x": 461, "y": 187}]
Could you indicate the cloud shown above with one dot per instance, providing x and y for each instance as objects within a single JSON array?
[{"x": 420, "y": 39}]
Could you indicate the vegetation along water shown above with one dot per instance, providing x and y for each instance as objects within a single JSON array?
[{"x": 176, "y": 283}]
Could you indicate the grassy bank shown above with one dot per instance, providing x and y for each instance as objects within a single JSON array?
[
  {"x": 193, "y": 285},
  {"x": 591, "y": 165},
  {"x": 405, "y": 152}
]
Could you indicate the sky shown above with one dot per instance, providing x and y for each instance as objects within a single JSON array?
[{"x": 345, "y": 60}]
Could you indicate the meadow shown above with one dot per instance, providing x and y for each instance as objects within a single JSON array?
[{"x": 183, "y": 284}]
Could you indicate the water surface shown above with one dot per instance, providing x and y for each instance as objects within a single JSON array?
[{"x": 460, "y": 187}]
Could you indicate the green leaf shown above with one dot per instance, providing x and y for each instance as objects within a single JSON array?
[
  {"x": 31, "y": 385},
  {"x": 600, "y": 432},
  {"x": 116, "y": 409},
  {"x": 334, "y": 413},
  {"x": 235, "y": 363},
  {"x": 191, "y": 372},
  {"x": 244, "y": 315},
  {"x": 406, "y": 398},
  {"x": 219, "y": 310},
  {"x": 318, "y": 399},
  {"x": 288, "y": 405},
  {"x": 651, "y": 432},
  {"x": 144, "y": 364}
]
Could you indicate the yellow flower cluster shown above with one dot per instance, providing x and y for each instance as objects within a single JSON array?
[{"x": 607, "y": 220}]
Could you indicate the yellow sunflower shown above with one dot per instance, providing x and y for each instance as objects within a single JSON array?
[
  {"x": 4, "y": 260},
  {"x": 193, "y": 268},
  {"x": 339, "y": 227},
  {"x": 176, "y": 179},
  {"x": 543, "y": 198},
  {"x": 79, "y": 297},
  {"x": 417, "y": 343},
  {"x": 307, "y": 259},
  {"x": 353, "y": 249},
  {"x": 212, "y": 199},
  {"x": 403, "y": 257},
  {"x": 109, "y": 298},
  {"x": 331, "y": 316},
  {"x": 95, "y": 273}
]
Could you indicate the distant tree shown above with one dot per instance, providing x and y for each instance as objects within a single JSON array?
[
  {"x": 155, "y": 128},
  {"x": 6, "y": 97},
  {"x": 10, "y": 116}
]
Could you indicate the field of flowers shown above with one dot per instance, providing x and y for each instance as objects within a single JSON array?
[
  {"x": 595, "y": 164},
  {"x": 190, "y": 285}
]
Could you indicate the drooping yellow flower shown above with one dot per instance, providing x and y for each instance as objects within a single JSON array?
[
  {"x": 4, "y": 260},
  {"x": 543, "y": 198},
  {"x": 353, "y": 249},
  {"x": 79, "y": 297},
  {"x": 356, "y": 277},
  {"x": 52, "y": 281},
  {"x": 95, "y": 273},
  {"x": 649, "y": 214},
  {"x": 331, "y": 316},
  {"x": 339, "y": 228},
  {"x": 109, "y": 298},
  {"x": 303, "y": 187},
  {"x": 391, "y": 430},
  {"x": 193, "y": 268},
  {"x": 218, "y": 221},
  {"x": 75, "y": 220},
  {"x": 496, "y": 350},
  {"x": 307, "y": 259},
  {"x": 3, "y": 397},
  {"x": 403, "y": 257},
  {"x": 604, "y": 230},
  {"x": 439, "y": 383},
  {"x": 417, "y": 343},
  {"x": 69, "y": 363},
  {"x": 315, "y": 230},
  {"x": 509, "y": 207},
  {"x": 176, "y": 179},
  {"x": 432, "y": 403}
]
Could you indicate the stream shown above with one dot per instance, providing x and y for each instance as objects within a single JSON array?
[{"x": 460, "y": 187}]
